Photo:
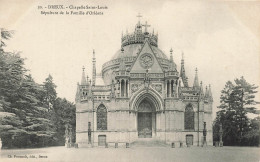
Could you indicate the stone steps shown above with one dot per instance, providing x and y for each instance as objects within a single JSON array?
[{"x": 148, "y": 142}]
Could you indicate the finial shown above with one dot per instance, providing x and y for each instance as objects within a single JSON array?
[
  {"x": 153, "y": 31},
  {"x": 200, "y": 83},
  {"x": 139, "y": 16},
  {"x": 146, "y": 26},
  {"x": 83, "y": 79},
  {"x": 171, "y": 58},
  {"x": 196, "y": 70},
  {"x": 93, "y": 53},
  {"x": 90, "y": 81},
  {"x": 182, "y": 56}
]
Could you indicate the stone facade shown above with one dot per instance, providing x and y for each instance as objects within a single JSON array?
[{"x": 140, "y": 94}]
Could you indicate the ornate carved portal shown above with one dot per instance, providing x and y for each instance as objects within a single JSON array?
[{"x": 146, "y": 119}]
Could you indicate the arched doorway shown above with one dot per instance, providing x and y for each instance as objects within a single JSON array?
[{"x": 146, "y": 119}]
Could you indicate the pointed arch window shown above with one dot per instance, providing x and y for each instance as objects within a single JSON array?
[
  {"x": 122, "y": 88},
  {"x": 189, "y": 117},
  {"x": 101, "y": 117}
]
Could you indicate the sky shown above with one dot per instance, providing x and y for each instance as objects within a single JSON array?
[{"x": 220, "y": 38}]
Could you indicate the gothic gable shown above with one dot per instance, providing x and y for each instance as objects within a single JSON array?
[{"x": 146, "y": 59}]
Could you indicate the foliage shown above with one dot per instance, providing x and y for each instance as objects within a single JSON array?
[
  {"x": 26, "y": 117},
  {"x": 236, "y": 101},
  {"x": 50, "y": 91}
]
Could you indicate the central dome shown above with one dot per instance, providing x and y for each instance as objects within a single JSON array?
[
  {"x": 131, "y": 45},
  {"x": 133, "y": 49}
]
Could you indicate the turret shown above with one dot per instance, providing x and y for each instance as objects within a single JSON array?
[
  {"x": 210, "y": 94},
  {"x": 77, "y": 98},
  {"x": 83, "y": 78},
  {"x": 171, "y": 57},
  {"x": 206, "y": 94},
  {"x": 196, "y": 80},
  {"x": 201, "y": 93},
  {"x": 182, "y": 73},
  {"x": 94, "y": 69},
  {"x": 89, "y": 90},
  {"x": 138, "y": 36},
  {"x": 87, "y": 80},
  {"x": 172, "y": 64}
]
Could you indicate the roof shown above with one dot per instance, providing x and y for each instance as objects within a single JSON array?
[
  {"x": 99, "y": 80},
  {"x": 132, "y": 50}
]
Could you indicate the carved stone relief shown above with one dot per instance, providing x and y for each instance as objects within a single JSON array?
[{"x": 157, "y": 87}]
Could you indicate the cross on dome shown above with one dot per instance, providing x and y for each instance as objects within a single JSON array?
[
  {"x": 139, "y": 16},
  {"x": 145, "y": 27}
]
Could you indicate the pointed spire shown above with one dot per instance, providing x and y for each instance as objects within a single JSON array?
[
  {"x": 196, "y": 80},
  {"x": 201, "y": 93},
  {"x": 172, "y": 64},
  {"x": 182, "y": 73},
  {"x": 182, "y": 58},
  {"x": 77, "y": 98},
  {"x": 210, "y": 94},
  {"x": 139, "y": 17},
  {"x": 94, "y": 68},
  {"x": 87, "y": 80},
  {"x": 206, "y": 92},
  {"x": 201, "y": 88},
  {"x": 171, "y": 57},
  {"x": 83, "y": 78},
  {"x": 89, "y": 90}
]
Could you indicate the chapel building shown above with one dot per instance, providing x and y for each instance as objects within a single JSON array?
[{"x": 141, "y": 94}]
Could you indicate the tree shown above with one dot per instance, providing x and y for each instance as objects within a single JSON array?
[
  {"x": 251, "y": 137},
  {"x": 64, "y": 114},
  {"x": 5, "y": 35},
  {"x": 236, "y": 100},
  {"x": 31, "y": 115},
  {"x": 22, "y": 112},
  {"x": 50, "y": 89}
]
